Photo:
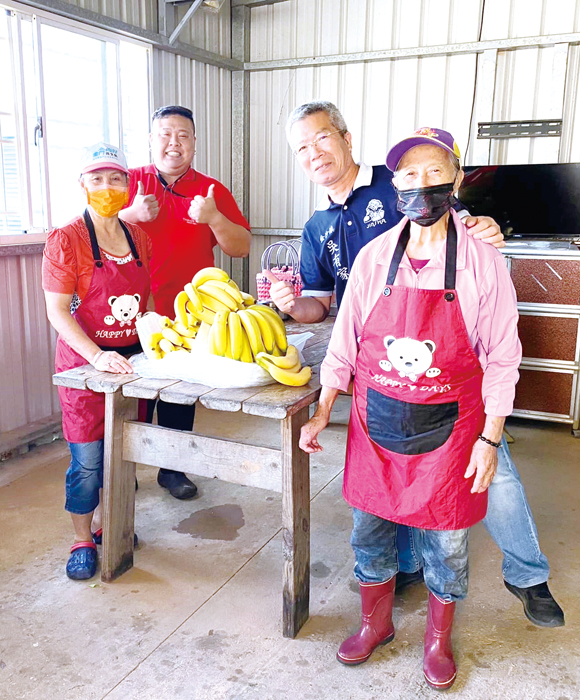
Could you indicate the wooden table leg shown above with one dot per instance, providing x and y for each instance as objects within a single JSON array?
[
  {"x": 118, "y": 490},
  {"x": 295, "y": 525}
]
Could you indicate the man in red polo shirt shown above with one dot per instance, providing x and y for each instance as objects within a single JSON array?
[{"x": 185, "y": 213}]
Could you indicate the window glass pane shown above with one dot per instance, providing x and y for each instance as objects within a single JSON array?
[
  {"x": 32, "y": 112},
  {"x": 81, "y": 115},
  {"x": 10, "y": 192},
  {"x": 134, "y": 66}
]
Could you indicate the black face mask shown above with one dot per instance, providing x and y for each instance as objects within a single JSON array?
[{"x": 426, "y": 205}]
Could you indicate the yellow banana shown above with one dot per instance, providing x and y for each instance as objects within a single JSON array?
[
  {"x": 212, "y": 303},
  {"x": 193, "y": 321},
  {"x": 252, "y": 330},
  {"x": 172, "y": 336},
  {"x": 286, "y": 377},
  {"x": 276, "y": 352},
  {"x": 221, "y": 332},
  {"x": 248, "y": 299},
  {"x": 226, "y": 287},
  {"x": 235, "y": 331},
  {"x": 291, "y": 361},
  {"x": 210, "y": 290},
  {"x": 233, "y": 285},
  {"x": 154, "y": 339},
  {"x": 166, "y": 345},
  {"x": 211, "y": 338},
  {"x": 266, "y": 330},
  {"x": 187, "y": 343},
  {"x": 193, "y": 297},
  {"x": 158, "y": 354},
  {"x": 184, "y": 331},
  {"x": 209, "y": 273},
  {"x": 165, "y": 322},
  {"x": 206, "y": 316},
  {"x": 179, "y": 306},
  {"x": 276, "y": 322},
  {"x": 246, "y": 355}
]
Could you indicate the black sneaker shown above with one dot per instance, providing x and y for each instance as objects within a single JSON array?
[
  {"x": 539, "y": 605},
  {"x": 178, "y": 485}
]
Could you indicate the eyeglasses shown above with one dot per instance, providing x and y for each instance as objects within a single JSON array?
[{"x": 302, "y": 151}]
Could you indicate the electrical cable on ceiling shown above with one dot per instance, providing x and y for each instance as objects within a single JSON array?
[{"x": 479, "y": 34}]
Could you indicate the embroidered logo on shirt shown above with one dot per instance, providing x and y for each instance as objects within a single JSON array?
[
  {"x": 409, "y": 357},
  {"x": 375, "y": 213}
]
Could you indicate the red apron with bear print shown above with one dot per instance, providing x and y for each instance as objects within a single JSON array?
[
  {"x": 117, "y": 296},
  {"x": 416, "y": 414}
]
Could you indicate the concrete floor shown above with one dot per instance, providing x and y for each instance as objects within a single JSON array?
[{"x": 199, "y": 616}]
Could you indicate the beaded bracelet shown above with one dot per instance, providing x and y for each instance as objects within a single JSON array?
[{"x": 489, "y": 442}]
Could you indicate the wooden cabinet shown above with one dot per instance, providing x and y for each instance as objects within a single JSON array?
[{"x": 546, "y": 276}]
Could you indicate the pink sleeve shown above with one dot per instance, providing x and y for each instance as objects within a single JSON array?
[
  {"x": 338, "y": 367},
  {"x": 497, "y": 329}
]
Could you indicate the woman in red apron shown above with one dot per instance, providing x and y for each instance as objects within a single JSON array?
[
  {"x": 96, "y": 282},
  {"x": 428, "y": 327}
]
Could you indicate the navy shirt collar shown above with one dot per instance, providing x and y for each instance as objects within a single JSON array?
[{"x": 363, "y": 179}]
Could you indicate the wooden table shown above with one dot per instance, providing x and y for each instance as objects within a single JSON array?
[{"x": 286, "y": 470}]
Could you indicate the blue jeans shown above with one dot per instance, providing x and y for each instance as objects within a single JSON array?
[
  {"x": 84, "y": 477},
  {"x": 510, "y": 523},
  {"x": 444, "y": 554}
]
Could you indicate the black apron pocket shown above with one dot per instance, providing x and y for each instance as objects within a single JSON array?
[{"x": 409, "y": 428}]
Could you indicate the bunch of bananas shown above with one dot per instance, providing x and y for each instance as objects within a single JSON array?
[
  {"x": 173, "y": 336},
  {"x": 233, "y": 325}
]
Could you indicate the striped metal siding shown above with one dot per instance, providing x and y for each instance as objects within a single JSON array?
[
  {"x": 27, "y": 345},
  {"x": 382, "y": 101},
  {"x": 206, "y": 90},
  {"x": 206, "y": 30},
  {"x": 140, "y": 13}
]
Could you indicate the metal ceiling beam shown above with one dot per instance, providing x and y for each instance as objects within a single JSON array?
[
  {"x": 159, "y": 41},
  {"x": 184, "y": 20},
  {"x": 255, "y": 3},
  {"x": 417, "y": 52}
]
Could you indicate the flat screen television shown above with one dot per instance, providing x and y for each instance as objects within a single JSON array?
[{"x": 526, "y": 200}]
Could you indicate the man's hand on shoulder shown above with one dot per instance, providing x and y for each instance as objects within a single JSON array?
[
  {"x": 145, "y": 207},
  {"x": 484, "y": 228}
]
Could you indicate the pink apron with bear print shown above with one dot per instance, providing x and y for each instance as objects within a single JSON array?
[
  {"x": 117, "y": 296},
  {"x": 417, "y": 407}
]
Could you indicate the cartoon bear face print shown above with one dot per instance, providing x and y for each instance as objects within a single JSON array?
[
  {"x": 123, "y": 309},
  {"x": 409, "y": 357}
]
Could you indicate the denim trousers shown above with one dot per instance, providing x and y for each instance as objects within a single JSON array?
[
  {"x": 510, "y": 523},
  {"x": 444, "y": 554},
  {"x": 84, "y": 477}
]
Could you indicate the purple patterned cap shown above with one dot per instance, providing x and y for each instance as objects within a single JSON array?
[{"x": 422, "y": 137}]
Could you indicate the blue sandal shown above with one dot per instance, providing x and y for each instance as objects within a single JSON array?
[
  {"x": 98, "y": 537},
  {"x": 82, "y": 563}
]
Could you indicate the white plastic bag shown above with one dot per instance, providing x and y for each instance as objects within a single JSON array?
[{"x": 199, "y": 366}]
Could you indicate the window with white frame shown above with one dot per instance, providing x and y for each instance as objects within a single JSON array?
[{"x": 63, "y": 86}]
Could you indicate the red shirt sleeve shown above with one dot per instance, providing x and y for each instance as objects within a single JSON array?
[
  {"x": 59, "y": 265},
  {"x": 227, "y": 206}
]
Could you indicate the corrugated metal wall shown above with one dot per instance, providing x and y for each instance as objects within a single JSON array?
[
  {"x": 26, "y": 344},
  {"x": 383, "y": 101},
  {"x": 206, "y": 30}
]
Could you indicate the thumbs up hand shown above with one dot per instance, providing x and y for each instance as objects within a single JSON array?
[
  {"x": 203, "y": 210},
  {"x": 145, "y": 206},
  {"x": 281, "y": 293}
]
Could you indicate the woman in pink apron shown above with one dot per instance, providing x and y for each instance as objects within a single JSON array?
[
  {"x": 96, "y": 282},
  {"x": 428, "y": 327}
]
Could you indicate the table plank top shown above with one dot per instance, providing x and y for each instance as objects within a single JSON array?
[{"x": 271, "y": 401}]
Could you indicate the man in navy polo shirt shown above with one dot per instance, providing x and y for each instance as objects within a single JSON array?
[{"x": 360, "y": 204}]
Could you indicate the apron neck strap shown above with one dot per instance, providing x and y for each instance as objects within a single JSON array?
[
  {"x": 450, "y": 254},
  {"x": 93, "y": 237}
]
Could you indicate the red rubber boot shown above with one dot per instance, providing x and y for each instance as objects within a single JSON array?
[
  {"x": 377, "y": 624},
  {"x": 438, "y": 663}
]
